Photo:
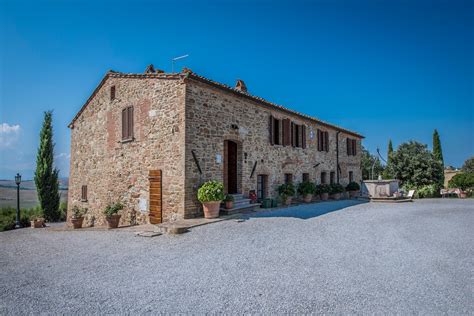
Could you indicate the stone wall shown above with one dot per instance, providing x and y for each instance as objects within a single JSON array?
[
  {"x": 210, "y": 114},
  {"x": 114, "y": 170}
]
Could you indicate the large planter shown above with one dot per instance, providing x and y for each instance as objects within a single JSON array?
[
  {"x": 288, "y": 200},
  {"x": 353, "y": 194},
  {"x": 308, "y": 198},
  {"x": 113, "y": 220},
  {"x": 336, "y": 196},
  {"x": 463, "y": 195},
  {"x": 37, "y": 223},
  {"x": 324, "y": 196},
  {"x": 229, "y": 204},
  {"x": 211, "y": 209},
  {"x": 77, "y": 222}
]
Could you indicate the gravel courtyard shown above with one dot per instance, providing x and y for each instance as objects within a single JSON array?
[{"x": 335, "y": 257}]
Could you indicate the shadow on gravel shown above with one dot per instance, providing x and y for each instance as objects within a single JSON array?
[{"x": 306, "y": 211}]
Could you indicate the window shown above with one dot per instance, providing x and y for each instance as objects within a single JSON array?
[
  {"x": 332, "y": 177},
  {"x": 298, "y": 135},
  {"x": 84, "y": 193},
  {"x": 351, "y": 176},
  {"x": 262, "y": 186},
  {"x": 288, "y": 178},
  {"x": 275, "y": 131},
  {"x": 112, "y": 93},
  {"x": 305, "y": 177},
  {"x": 286, "y": 133},
  {"x": 323, "y": 141},
  {"x": 323, "y": 178},
  {"x": 127, "y": 123},
  {"x": 351, "y": 146}
]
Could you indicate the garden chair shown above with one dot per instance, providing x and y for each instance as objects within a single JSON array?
[{"x": 410, "y": 194}]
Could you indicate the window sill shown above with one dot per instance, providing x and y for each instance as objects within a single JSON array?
[
  {"x": 83, "y": 200},
  {"x": 127, "y": 140}
]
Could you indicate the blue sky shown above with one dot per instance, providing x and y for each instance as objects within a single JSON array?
[{"x": 387, "y": 69}]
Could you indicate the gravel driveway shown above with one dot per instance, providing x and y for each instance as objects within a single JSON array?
[{"x": 335, "y": 257}]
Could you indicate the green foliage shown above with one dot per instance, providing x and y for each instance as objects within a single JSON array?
[
  {"x": 78, "y": 212},
  {"x": 323, "y": 188},
  {"x": 389, "y": 150},
  {"x": 366, "y": 162},
  {"x": 286, "y": 190},
  {"x": 438, "y": 155},
  {"x": 229, "y": 198},
  {"x": 415, "y": 166},
  {"x": 353, "y": 186},
  {"x": 462, "y": 181},
  {"x": 336, "y": 188},
  {"x": 113, "y": 208},
  {"x": 306, "y": 187},
  {"x": 468, "y": 166},
  {"x": 211, "y": 191},
  {"x": 63, "y": 211},
  {"x": 427, "y": 191},
  {"x": 8, "y": 217},
  {"x": 46, "y": 177}
]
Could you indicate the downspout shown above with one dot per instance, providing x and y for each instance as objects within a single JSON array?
[{"x": 337, "y": 156}]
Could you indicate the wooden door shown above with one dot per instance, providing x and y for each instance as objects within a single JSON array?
[
  {"x": 154, "y": 177},
  {"x": 231, "y": 167}
]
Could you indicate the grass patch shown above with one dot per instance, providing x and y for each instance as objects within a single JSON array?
[{"x": 8, "y": 216}]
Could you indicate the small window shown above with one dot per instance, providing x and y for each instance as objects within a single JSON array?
[
  {"x": 305, "y": 177},
  {"x": 288, "y": 178},
  {"x": 276, "y": 132},
  {"x": 323, "y": 141},
  {"x": 262, "y": 181},
  {"x": 351, "y": 146},
  {"x": 332, "y": 177},
  {"x": 84, "y": 193},
  {"x": 351, "y": 176},
  {"x": 323, "y": 178},
  {"x": 127, "y": 123},
  {"x": 112, "y": 93}
]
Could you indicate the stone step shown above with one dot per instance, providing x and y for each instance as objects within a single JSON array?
[
  {"x": 239, "y": 202},
  {"x": 239, "y": 209}
]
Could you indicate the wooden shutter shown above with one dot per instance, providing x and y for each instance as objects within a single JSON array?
[
  {"x": 112, "y": 93},
  {"x": 84, "y": 193},
  {"x": 354, "y": 147},
  {"x": 303, "y": 136},
  {"x": 286, "y": 132},
  {"x": 326, "y": 138},
  {"x": 124, "y": 123},
  {"x": 270, "y": 130},
  {"x": 300, "y": 135},
  {"x": 130, "y": 122},
  {"x": 348, "y": 145}
]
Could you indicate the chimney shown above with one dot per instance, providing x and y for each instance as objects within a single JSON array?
[
  {"x": 240, "y": 85},
  {"x": 151, "y": 70}
]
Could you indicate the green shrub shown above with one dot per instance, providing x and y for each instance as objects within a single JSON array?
[
  {"x": 323, "y": 188},
  {"x": 427, "y": 191},
  {"x": 286, "y": 190},
  {"x": 353, "y": 186},
  {"x": 78, "y": 212},
  {"x": 462, "y": 181},
  {"x": 306, "y": 187},
  {"x": 229, "y": 198},
  {"x": 211, "y": 191},
  {"x": 63, "y": 211},
  {"x": 113, "y": 208},
  {"x": 336, "y": 188},
  {"x": 8, "y": 217}
]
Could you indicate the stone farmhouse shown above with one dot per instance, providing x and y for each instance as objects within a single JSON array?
[{"x": 150, "y": 139}]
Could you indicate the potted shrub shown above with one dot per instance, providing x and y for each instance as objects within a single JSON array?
[
  {"x": 323, "y": 190},
  {"x": 36, "y": 221},
  {"x": 111, "y": 214},
  {"x": 286, "y": 191},
  {"x": 210, "y": 194},
  {"x": 229, "y": 201},
  {"x": 77, "y": 216},
  {"x": 306, "y": 189},
  {"x": 353, "y": 188},
  {"x": 336, "y": 190}
]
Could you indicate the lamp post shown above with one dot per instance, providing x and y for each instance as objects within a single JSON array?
[{"x": 17, "y": 181}]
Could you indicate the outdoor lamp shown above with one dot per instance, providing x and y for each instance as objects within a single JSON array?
[{"x": 17, "y": 181}]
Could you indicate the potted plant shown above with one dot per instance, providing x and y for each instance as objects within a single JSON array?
[
  {"x": 36, "y": 221},
  {"x": 353, "y": 188},
  {"x": 306, "y": 189},
  {"x": 111, "y": 214},
  {"x": 77, "y": 216},
  {"x": 229, "y": 201},
  {"x": 286, "y": 191},
  {"x": 210, "y": 194},
  {"x": 336, "y": 190},
  {"x": 323, "y": 190}
]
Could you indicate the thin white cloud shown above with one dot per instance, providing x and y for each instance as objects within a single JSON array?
[
  {"x": 9, "y": 134},
  {"x": 62, "y": 156}
]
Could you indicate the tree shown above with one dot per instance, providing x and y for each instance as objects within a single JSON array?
[
  {"x": 462, "y": 180},
  {"x": 367, "y": 161},
  {"x": 415, "y": 166},
  {"x": 438, "y": 154},
  {"x": 46, "y": 177},
  {"x": 386, "y": 173},
  {"x": 468, "y": 166}
]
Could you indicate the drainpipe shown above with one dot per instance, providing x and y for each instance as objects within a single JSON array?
[{"x": 337, "y": 156}]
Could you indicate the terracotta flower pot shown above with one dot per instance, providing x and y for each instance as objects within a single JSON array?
[
  {"x": 113, "y": 220},
  {"x": 229, "y": 204},
  {"x": 211, "y": 209},
  {"x": 324, "y": 196},
  {"x": 288, "y": 200},
  {"x": 463, "y": 195},
  {"x": 308, "y": 198},
  {"x": 336, "y": 196},
  {"x": 37, "y": 223},
  {"x": 77, "y": 222}
]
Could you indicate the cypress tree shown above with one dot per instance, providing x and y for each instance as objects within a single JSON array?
[
  {"x": 46, "y": 176},
  {"x": 389, "y": 151},
  {"x": 438, "y": 154}
]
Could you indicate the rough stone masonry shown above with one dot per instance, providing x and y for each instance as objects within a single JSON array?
[{"x": 193, "y": 129}]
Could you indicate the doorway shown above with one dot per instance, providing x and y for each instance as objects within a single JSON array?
[{"x": 231, "y": 160}]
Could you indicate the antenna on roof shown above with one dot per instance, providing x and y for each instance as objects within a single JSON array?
[{"x": 175, "y": 59}]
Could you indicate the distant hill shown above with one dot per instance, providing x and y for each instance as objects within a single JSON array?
[{"x": 28, "y": 196}]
